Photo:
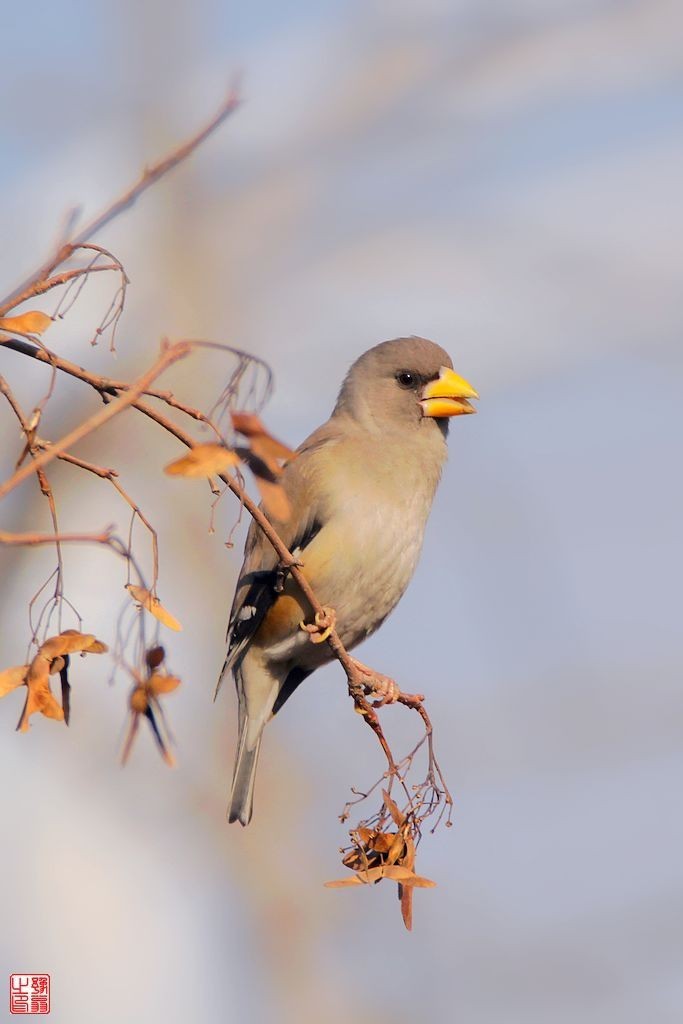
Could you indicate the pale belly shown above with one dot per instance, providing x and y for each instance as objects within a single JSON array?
[{"x": 360, "y": 565}]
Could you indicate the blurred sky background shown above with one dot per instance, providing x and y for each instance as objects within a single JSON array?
[{"x": 502, "y": 178}]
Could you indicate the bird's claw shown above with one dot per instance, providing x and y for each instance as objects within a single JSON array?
[
  {"x": 378, "y": 685},
  {"x": 282, "y": 572},
  {"x": 323, "y": 624}
]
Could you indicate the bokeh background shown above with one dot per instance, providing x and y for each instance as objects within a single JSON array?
[{"x": 502, "y": 178}]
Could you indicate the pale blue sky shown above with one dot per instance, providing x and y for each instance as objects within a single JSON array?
[{"x": 506, "y": 180}]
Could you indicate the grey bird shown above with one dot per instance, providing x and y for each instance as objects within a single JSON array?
[{"x": 361, "y": 488}]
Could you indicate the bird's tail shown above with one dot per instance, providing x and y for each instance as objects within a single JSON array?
[{"x": 241, "y": 803}]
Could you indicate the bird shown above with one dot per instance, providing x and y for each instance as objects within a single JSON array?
[{"x": 360, "y": 488}]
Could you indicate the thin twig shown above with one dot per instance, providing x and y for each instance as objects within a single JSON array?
[
  {"x": 149, "y": 177},
  {"x": 171, "y": 355}
]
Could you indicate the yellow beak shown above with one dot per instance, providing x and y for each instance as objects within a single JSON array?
[{"x": 447, "y": 395}]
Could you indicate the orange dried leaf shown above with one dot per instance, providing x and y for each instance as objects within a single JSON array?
[
  {"x": 68, "y": 642},
  {"x": 154, "y": 657},
  {"x": 397, "y": 848},
  {"x": 405, "y": 893},
  {"x": 162, "y": 684},
  {"x": 139, "y": 701},
  {"x": 417, "y": 882},
  {"x": 247, "y": 423},
  {"x": 11, "y": 678},
  {"x": 409, "y": 859},
  {"x": 153, "y": 605},
  {"x": 396, "y": 815},
  {"x": 96, "y": 647},
  {"x": 203, "y": 460},
  {"x": 398, "y": 873},
  {"x": 269, "y": 449},
  {"x": 262, "y": 441},
  {"x": 39, "y": 697},
  {"x": 344, "y": 883},
  {"x": 32, "y": 322},
  {"x": 371, "y": 875}
]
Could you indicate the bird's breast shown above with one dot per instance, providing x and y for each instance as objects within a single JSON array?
[{"x": 374, "y": 502}]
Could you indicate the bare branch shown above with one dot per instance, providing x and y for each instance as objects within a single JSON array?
[
  {"x": 35, "y": 539},
  {"x": 31, "y": 286},
  {"x": 171, "y": 355}
]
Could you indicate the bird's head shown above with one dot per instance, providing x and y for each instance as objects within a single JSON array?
[{"x": 408, "y": 381}]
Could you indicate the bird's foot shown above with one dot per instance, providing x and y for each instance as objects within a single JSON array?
[
  {"x": 378, "y": 685},
  {"x": 319, "y": 630},
  {"x": 282, "y": 572}
]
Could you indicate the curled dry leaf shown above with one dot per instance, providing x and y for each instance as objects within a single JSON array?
[
  {"x": 144, "y": 700},
  {"x": 39, "y": 697},
  {"x": 262, "y": 442},
  {"x": 139, "y": 701},
  {"x": 153, "y": 605},
  {"x": 13, "y": 677},
  {"x": 375, "y": 855},
  {"x": 264, "y": 455},
  {"x": 159, "y": 684},
  {"x": 154, "y": 657},
  {"x": 203, "y": 460},
  {"x": 32, "y": 322},
  {"x": 52, "y": 658},
  {"x": 70, "y": 642}
]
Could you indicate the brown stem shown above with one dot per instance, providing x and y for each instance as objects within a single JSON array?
[
  {"x": 27, "y": 289},
  {"x": 171, "y": 355}
]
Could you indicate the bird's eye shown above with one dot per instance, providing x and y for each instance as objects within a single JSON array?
[{"x": 406, "y": 379}]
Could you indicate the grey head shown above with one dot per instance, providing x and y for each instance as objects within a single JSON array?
[{"x": 390, "y": 386}]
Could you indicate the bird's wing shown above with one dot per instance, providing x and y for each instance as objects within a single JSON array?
[{"x": 255, "y": 592}]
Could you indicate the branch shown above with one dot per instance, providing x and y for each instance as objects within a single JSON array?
[
  {"x": 33, "y": 285},
  {"x": 34, "y": 539},
  {"x": 171, "y": 355}
]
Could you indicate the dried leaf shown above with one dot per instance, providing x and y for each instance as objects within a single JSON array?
[
  {"x": 154, "y": 657},
  {"x": 405, "y": 895},
  {"x": 396, "y": 815},
  {"x": 32, "y": 322},
  {"x": 409, "y": 859},
  {"x": 247, "y": 423},
  {"x": 12, "y": 677},
  {"x": 371, "y": 875},
  {"x": 417, "y": 882},
  {"x": 153, "y": 605},
  {"x": 343, "y": 883},
  {"x": 162, "y": 684},
  {"x": 96, "y": 647},
  {"x": 398, "y": 873},
  {"x": 69, "y": 642},
  {"x": 263, "y": 444},
  {"x": 52, "y": 658},
  {"x": 270, "y": 449},
  {"x": 39, "y": 697},
  {"x": 138, "y": 700},
  {"x": 397, "y": 848},
  {"x": 203, "y": 460}
]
